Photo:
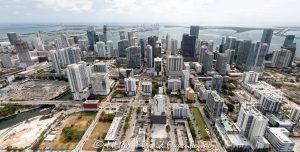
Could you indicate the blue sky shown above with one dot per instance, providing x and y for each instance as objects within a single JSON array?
[{"x": 202, "y": 12}]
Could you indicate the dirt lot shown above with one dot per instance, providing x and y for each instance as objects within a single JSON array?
[{"x": 80, "y": 121}]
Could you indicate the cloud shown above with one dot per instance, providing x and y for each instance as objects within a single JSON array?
[{"x": 77, "y": 6}]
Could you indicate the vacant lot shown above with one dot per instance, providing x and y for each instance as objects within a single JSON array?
[
  {"x": 98, "y": 133},
  {"x": 73, "y": 126},
  {"x": 200, "y": 123}
]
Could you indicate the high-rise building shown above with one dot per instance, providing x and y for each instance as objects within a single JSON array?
[
  {"x": 55, "y": 61},
  {"x": 214, "y": 105},
  {"x": 167, "y": 42},
  {"x": 208, "y": 61},
  {"x": 6, "y": 60},
  {"x": 174, "y": 64},
  {"x": 58, "y": 43},
  {"x": 152, "y": 41},
  {"x": 290, "y": 45},
  {"x": 104, "y": 33},
  {"x": 130, "y": 36},
  {"x": 100, "y": 67},
  {"x": 279, "y": 139},
  {"x": 69, "y": 55},
  {"x": 281, "y": 58},
  {"x": 109, "y": 49},
  {"x": 149, "y": 56},
  {"x": 38, "y": 44},
  {"x": 230, "y": 42},
  {"x": 130, "y": 85},
  {"x": 174, "y": 84},
  {"x": 256, "y": 57},
  {"x": 295, "y": 115},
  {"x": 157, "y": 66},
  {"x": 122, "y": 46},
  {"x": 158, "y": 110},
  {"x": 99, "y": 48},
  {"x": 194, "y": 31},
  {"x": 188, "y": 45},
  {"x": 210, "y": 46},
  {"x": 243, "y": 52},
  {"x": 23, "y": 52},
  {"x": 75, "y": 38},
  {"x": 92, "y": 36},
  {"x": 222, "y": 61},
  {"x": 216, "y": 83},
  {"x": 157, "y": 51},
  {"x": 185, "y": 78},
  {"x": 79, "y": 79},
  {"x": 180, "y": 111},
  {"x": 267, "y": 36},
  {"x": 142, "y": 45},
  {"x": 83, "y": 45},
  {"x": 100, "y": 83},
  {"x": 64, "y": 40},
  {"x": 12, "y": 37},
  {"x": 252, "y": 123},
  {"x": 133, "y": 57},
  {"x": 122, "y": 35},
  {"x": 173, "y": 47},
  {"x": 147, "y": 88},
  {"x": 201, "y": 51},
  {"x": 250, "y": 77},
  {"x": 71, "y": 41}
]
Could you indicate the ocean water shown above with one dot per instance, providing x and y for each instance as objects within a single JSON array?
[{"x": 174, "y": 32}]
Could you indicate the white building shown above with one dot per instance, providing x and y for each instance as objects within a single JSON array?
[
  {"x": 114, "y": 129},
  {"x": 99, "y": 48},
  {"x": 147, "y": 88},
  {"x": 79, "y": 79},
  {"x": 174, "y": 84},
  {"x": 158, "y": 107},
  {"x": 214, "y": 105},
  {"x": 55, "y": 61},
  {"x": 180, "y": 111},
  {"x": 174, "y": 65},
  {"x": 281, "y": 58},
  {"x": 185, "y": 79},
  {"x": 278, "y": 137},
  {"x": 130, "y": 85},
  {"x": 295, "y": 114},
  {"x": 250, "y": 77},
  {"x": 157, "y": 66},
  {"x": 6, "y": 60},
  {"x": 100, "y": 83},
  {"x": 69, "y": 55},
  {"x": 100, "y": 66},
  {"x": 251, "y": 121}
]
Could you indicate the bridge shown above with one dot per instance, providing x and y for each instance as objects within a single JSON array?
[{"x": 46, "y": 102}]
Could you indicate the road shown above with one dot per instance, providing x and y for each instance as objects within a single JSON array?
[{"x": 46, "y": 102}]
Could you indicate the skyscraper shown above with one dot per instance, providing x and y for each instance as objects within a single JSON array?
[
  {"x": 290, "y": 45},
  {"x": 216, "y": 83},
  {"x": 79, "y": 79},
  {"x": 12, "y": 37},
  {"x": 149, "y": 56},
  {"x": 188, "y": 44},
  {"x": 157, "y": 66},
  {"x": 208, "y": 61},
  {"x": 214, "y": 105},
  {"x": 289, "y": 40},
  {"x": 122, "y": 45},
  {"x": 130, "y": 85},
  {"x": 174, "y": 64},
  {"x": 100, "y": 83},
  {"x": 157, "y": 51},
  {"x": 243, "y": 51},
  {"x": 69, "y": 55},
  {"x": 133, "y": 57},
  {"x": 55, "y": 61},
  {"x": 167, "y": 42},
  {"x": 201, "y": 51},
  {"x": 173, "y": 47},
  {"x": 109, "y": 49},
  {"x": 142, "y": 45},
  {"x": 222, "y": 61},
  {"x": 64, "y": 40},
  {"x": 281, "y": 58},
  {"x": 92, "y": 37},
  {"x": 122, "y": 35},
  {"x": 256, "y": 57},
  {"x": 230, "y": 41},
  {"x": 267, "y": 36},
  {"x": 23, "y": 52},
  {"x": 130, "y": 37},
  {"x": 99, "y": 48},
  {"x": 104, "y": 33},
  {"x": 194, "y": 31}
]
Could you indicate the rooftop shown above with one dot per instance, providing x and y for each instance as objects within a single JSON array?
[
  {"x": 114, "y": 127},
  {"x": 281, "y": 134}
]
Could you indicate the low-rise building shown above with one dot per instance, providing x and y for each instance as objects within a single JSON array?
[
  {"x": 278, "y": 138},
  {"x": 112, "y": 134},
  {"x": 190, "y": 95},
  {"x": 140, "y": 140},
  {"x": 91, "y": 105}
]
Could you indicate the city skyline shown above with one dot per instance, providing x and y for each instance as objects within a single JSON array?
[{"x": 202, "y": 12}]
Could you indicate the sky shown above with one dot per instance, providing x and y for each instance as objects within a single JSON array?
[{"x": 201, "y": 12}]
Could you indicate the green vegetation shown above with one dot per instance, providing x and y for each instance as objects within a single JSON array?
[
  {"x": 155, "y": 87},
  {"x": 168, "y": 128},
  {"x": 107, "y": 117},
  {"x": 10, "y": 109},
  {"x": 115, "y": 93},
  {"x": 138, "y": 110},
  {"x": 230, "y": 107},
  {"x": 126, "y": 125},
  {"x": 200, "y": 123},
  {"x": 192, "y": 129},
  {"x": 72, "y": 134}
]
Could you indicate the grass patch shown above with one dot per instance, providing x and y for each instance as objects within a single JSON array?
[
  {"x": 200, "y": 123},
  {"x": 98, "y": 133}
]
